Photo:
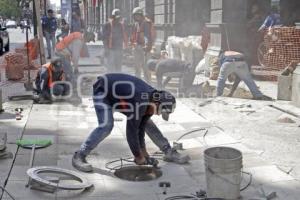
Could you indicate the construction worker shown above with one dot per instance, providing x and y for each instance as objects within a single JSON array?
[
  {"x": 70, "y": 48},
  {"x": 114, "y": 39},
  {"x": 138, "y": 101},
  {"x": 271, "y": 20},
  {"x": 142, "y": 40},
  {"x": 46, "y": 79},
  {"x": 164, "y": 66},
  {"x": 232, "y": 62}
]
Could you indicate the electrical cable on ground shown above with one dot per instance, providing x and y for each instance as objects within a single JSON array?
[
  {"x": 190, "y": 132},
  {"x": 193, "y": 197},
  {"x": 3, "y": 189},
  {"x": 14, "y": 159}
]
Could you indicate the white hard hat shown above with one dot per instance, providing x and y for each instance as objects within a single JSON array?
[
  {"x": 138, "y": 10},
  {"x": 116, "y": 13}
]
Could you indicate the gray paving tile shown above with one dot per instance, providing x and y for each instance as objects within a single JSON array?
[
  {"x": 40, "y": 159},
  {"x": 19, "y": 191},
  {"x": 268, "y": 174}
]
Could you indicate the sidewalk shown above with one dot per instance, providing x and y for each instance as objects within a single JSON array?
[
  {"x": 270, "y": 148},
  {"x": 68, "y": 126}
]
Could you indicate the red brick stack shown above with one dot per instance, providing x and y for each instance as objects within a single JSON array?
[
  {"x": 23, "y": 51},
  {"x": 15, "y": 64}
]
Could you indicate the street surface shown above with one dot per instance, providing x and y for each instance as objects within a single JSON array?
[{"x": 270, "y": 148}]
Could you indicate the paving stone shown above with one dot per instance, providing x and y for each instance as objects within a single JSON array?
[
  {"x": 217, "y": 140},
  {"x": 285, "y": 190},
  {"x": 244, "y": 149},
  {"x": 98, "y": 190},
  {"x": 190, "y": 143},
  {"x": 67, "y": 131},
  {"x": 18, "y": 173},
  {"x": 19, "y": 191},
  {"x": 40, "y": 159},
  {"x": 34, "y": 124},
  {"x": 195, "y": 168},
  {"x": 268, "y": 174},
  {"x": 117, "y": 187},
  {"x": 179, "y": 184},
  {"x": 173, "y": 194},
  {"x": 252, "y": 160}
]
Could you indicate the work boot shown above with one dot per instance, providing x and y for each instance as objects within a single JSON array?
[
  {"x": 172, "y": 155},
  {"x": 80, "y": 163},
  {"x": 263, "y": 98},
  {"x": 43, "y": 100}
]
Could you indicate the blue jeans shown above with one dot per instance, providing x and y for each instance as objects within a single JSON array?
[
  {"x": 50, "y": 40},
  {"x": 105, "y": 125},
  {"x": 242, "y": 71},
  {"x": 105, "y": 118},
  {"x": 114, "y": 60}
]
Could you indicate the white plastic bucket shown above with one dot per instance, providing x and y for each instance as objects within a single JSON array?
[{"x": 223, "y": 172}]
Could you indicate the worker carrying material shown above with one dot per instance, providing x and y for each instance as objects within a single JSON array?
[
  {"x": 231, "y": 62},
  {"x": 49, "y": 82},
  {"x": 138, "y": 101},
  {"x": 142, "y": 39}
]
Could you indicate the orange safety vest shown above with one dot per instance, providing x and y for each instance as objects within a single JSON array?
[
  {"x": 49, "y": 68},
  {"x": 110, "y": 39},
  {"x": 64, "y": 43},
  {"x": 138, "y": 32}
]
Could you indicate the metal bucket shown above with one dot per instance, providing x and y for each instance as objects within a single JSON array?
[{"x": 223, "y": 172}]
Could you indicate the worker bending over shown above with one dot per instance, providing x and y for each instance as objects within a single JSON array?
[
  {"x": 138, "y": 101},
  {"x": 232, "y": 62}
]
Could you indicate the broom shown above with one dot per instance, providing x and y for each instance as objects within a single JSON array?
[{"x": 33, "y": 144}]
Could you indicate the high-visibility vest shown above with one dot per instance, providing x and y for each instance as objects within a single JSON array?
[
  {"x": 65, "y": 42},
  {"x": 110, "y": 39},
  {"x": 138, "y": 32},
  {"x": 49, "y": 68}
]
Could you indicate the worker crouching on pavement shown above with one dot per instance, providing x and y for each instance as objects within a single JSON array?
[
  {"x": 232, "y": 62},
  {"x": 138, "y": 101},
  {"x": 50, "y": 82}
]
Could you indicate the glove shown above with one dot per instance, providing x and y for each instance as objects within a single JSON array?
[
  {"x": 151, "y": 161},
  {"x": 148, "y": 161}
]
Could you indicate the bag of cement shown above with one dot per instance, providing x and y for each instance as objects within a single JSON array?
[
  {"x": 173, "y": 47},
  {"x": 186, "y": 49},
  {"x": 195, "y": 41},
  {"x": 201, "y": 67}
]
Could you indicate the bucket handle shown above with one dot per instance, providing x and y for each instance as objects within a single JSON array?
[{"x": 224, "y": 179}]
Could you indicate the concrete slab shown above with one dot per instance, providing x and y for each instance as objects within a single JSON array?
[
  {"x": 19, "y": 191},
  {"x": 268, "y": 174}
]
